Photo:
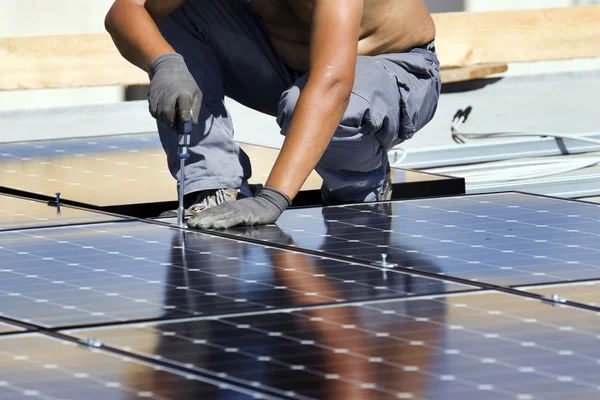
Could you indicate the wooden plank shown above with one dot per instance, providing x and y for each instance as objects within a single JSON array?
[
  {"x": 464, "y": 39},
  {"x": 517, "y": 36},
  {"x": 35, "y": 62},
  {"x": 460, "y": 74}
]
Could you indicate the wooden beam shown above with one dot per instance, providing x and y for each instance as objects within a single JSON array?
[
  {"x": 460, "y": 74},
  {"x": 517, "y": 36},
  {"x": 61, "y": 61},
  {"x": 463, "y": 39}
]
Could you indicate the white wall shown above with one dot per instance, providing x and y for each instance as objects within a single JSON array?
[{"x": 45, "y": 17}]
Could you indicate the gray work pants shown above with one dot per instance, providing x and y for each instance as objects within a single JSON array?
[{"x": 229, "y": 54}]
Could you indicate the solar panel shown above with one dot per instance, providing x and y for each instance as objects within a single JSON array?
[
  {"x": 504, "y": 239},
  {"x": 581, "y": 292},
  {"x": 19, "y": 213},
  {"x": 37, "y": 367},
  {"x": 131, "y": 169},
  {"x": 116, "y": 272},
  {"x": 491, "y": 346},
  {"x": 5, "y": 328}
]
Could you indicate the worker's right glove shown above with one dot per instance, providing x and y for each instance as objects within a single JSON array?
[{"x": 173, "y": 90}]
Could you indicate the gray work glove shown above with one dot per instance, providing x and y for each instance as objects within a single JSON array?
[
  {"x": 173, "y": 90},
  {"x": 263, "y": 209}
]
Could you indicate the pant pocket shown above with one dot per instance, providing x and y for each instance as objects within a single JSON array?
[{"x": 419, "y": 96}]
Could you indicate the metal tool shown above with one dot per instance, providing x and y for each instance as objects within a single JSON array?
[{"x": 184, "y": 130}]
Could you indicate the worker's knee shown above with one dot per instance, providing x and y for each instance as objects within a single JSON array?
[{"x": 355, "y": 145}]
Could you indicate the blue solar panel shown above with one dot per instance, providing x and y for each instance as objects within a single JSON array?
[
  {"x": 503, "y": 239},
  {"x": 116, "y": 272},
  {"x": 492, "y": 346},
  {"x": 35, "y": 367}
]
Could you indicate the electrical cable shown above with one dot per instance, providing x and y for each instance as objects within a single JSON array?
[{"x": 512, "y": 170}]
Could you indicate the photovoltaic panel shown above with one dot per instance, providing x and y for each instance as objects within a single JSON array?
[
  {"x": 5, "y": 328},
  {"x": 504, "y": 239},
  {"x": 36, "y": 367},
  {"x": 116, "y": 272},
  {"x": 583, "y": 292},
  {"x": 19, "y": 213},
  {"x": 132, "y": 169},
  {"x": 492, "y": 346}
]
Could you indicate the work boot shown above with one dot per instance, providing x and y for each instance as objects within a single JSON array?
[
  {"x": 197, "y": 202},
  {"x": 203, "y": 200}
]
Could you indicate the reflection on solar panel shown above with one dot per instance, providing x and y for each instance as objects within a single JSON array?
[
  {"x": 19, "y": 213},
  {"x": 5, "y": 328},
  {"x": 171, "y": 314},
  {"x": 491, "y": 346},
  {"x": 583, "y": 292},
  {"x": 40, "y": 368},
  {"x": 505, "y": 239},
  {"x": 134, "y": 270},
  {"x": 131, "y": 169}
]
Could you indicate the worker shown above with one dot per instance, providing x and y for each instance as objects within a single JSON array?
[{"x": 346, "y": 80}]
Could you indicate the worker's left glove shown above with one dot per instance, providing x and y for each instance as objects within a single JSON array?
[{"x": 263, "y": 209}]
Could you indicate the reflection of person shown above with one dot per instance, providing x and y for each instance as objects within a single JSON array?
[
  {"x": 373, "y": 228},
  {"x": 411, "y": 321},
  {"x": 347, "y": 81}
]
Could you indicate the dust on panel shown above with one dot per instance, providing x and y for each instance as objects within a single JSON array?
[
  {"x": 33, "y": 366},
  {"x": 492, "y": 346},
  {"x": 116, "y": 272},
  {"x": 19, "y": 213},
  {"x": 505, "y": 239}
]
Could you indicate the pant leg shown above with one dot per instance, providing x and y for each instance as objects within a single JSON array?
[
  {"x": 393, "y": 97},
  {"x": 215, "y": 159},
  {"x": 229, "y": 54}
]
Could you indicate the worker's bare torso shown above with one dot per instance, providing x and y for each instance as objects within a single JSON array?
[{"x": 387, "y": 26}]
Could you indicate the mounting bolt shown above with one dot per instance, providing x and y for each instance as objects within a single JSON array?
[
  {"x": 92, "y": 342},
  {"x": 556, "y": 298},
  {"x": 383, "y": 263},
  {"x": 56, "y": 201}
]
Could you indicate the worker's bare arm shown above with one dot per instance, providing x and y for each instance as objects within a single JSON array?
[
  {"x": 132, "y": 25},
  {"x": 324, "y": 99}
]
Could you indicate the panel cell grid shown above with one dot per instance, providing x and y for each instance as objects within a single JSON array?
[
  {"x": 491, "y": 346},
  {"x": 504, "y": 239},
  {"x": 35, "y": 367},
  {"x": 134, "y": 270},
  {"x": 20, "y": 213}
]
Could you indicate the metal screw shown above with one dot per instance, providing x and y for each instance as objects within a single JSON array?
[
  {"x": 556, "y": 298},
  {"x": 384, "y": 262},
  {"x": 92, "y": 342}
]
